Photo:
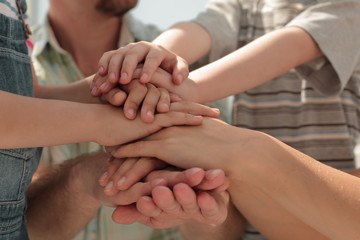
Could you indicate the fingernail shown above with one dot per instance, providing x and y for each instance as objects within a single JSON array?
[
  {"x": 113, "y": 152},
  {"x": 150, "y": 114},
  {"x": 192, "y": 171},
  {"x": 210, "y": 175},
  {"x": 216, "y": 110},
  {"x": 123, "y": 76},
  {"x": 121, "y": 181},
  {"x": 101, "y": 69},
  {"x": 104, "y": 176},
  {"x": 109, "y": 186},
  {"x": 112, "y": 77},
  {"x": 94, "y": 91},
  {"x": 103, "y": 86},
  {"x": 144, "y": 77},
  {"x": 131, "y": 112}
]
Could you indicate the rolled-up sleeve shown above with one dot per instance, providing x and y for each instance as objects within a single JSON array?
[
  {"x": 335, "y": 27},
  {"x": 221, "y": 19}
]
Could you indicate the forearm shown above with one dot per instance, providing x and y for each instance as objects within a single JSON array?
[
  {"x": 78, "y": 91},
  {"x": 304, "y": 187},
  {"x": 232, "y": 228},
  {"x": 59, "y": 203},
  {"x": 256, "y": 63},
  {"x": 31, "y": 122},
  {"x": 188, "y": 40}
]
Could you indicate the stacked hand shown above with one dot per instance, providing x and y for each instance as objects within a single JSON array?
[{"x": 145, "y": 189}]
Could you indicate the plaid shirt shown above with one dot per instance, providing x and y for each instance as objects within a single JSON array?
[{"x": 53, "y": 65}]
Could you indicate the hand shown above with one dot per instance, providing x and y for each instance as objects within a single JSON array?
[
  {"x": 207, "y": 146},
  {"x": 113, "y": 129},
  {"x": 120, "y": 64},
  {"x": 169, "y": 208},
  {"x": 87, "y": 169},
  {"x": 121, "y": 174},
  {"x": 136, "y": 94},
  {"x": 188, "y": 90}
]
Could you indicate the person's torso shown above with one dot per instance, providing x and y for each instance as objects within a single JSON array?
[{"x": 288, "y": 107}]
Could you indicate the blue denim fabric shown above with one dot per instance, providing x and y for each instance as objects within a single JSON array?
[{"x": 16, "y": 165}]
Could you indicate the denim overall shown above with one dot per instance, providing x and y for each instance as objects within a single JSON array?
[{"x": 16, "y": 165}]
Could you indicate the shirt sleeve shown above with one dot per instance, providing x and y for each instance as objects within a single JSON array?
[
  {"x": 334, "y": 25},
  {"x": 221, "y": 19}
]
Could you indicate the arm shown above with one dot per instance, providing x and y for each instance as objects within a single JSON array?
[
  {"x": 64, "y": 198},
  {"x": 299, "y": 185},
  {"x": 75, "y": 92},
  {"x": 31, "y": 122},
  {"x": 275, "y": 54},
  {"x": 58, "y": 206},
  {"x": 188, "y": 40}
]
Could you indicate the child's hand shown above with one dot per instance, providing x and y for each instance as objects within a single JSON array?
[
  {"x": 136, "y": 94},
  {"x": 188, "y": 90},
  {"x": 120, "y": 64}
]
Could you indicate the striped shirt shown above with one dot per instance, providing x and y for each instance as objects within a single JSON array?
[{"x": 314, "y": 108}]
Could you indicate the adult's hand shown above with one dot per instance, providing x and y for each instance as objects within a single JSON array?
[
  {"x": 178, "y": 202},
  {"x": 210, "y": 145},
  {"x": 114, "y": 129}
]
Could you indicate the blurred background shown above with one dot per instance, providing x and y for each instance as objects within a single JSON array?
[{"x": 162, "y": 13}]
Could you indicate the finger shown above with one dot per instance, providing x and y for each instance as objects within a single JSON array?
[
  {"x": 152, "y": 61},
  {"x": 163, "y": 105},
  {"x": 186, "y": 197},
  {"x": 106, "y": 178},
  {"x": 115, "y": 64},
  {"x": 194, "y": 108},
  {"x": 175, "y": 98},
  {"x": 176, "y": 118},
  {"x": 163, "y": 79},
  {"x": 147, "y": 207},
  {"x": 117, "y": 177},
  {"x": 191, "y": 177},
  {"x": 127, "y": 214},
  {"x": 213, "y": 208},
  {"x": 137, "y": 93},
  {"x": 104, "y": 62},
  {"x": 115, "y": 97},
  {"x": 181, "y": 71},
  {"x": 139, "y": 170},
  {"x": 214, "y": 178},
  {"x": 136, "y": 191},
  {"x": 133, "y": 57},
  {"x": 106, "y": 86},
  {"x": 222, "y": 187},
  {"x": 149, "y": 104},
  {"x": 95, "y": 85},
  {"x": 165, "y": 200},
  {"x": 109, "y": 149}
]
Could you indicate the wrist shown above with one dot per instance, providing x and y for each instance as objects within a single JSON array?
[
  {"x": 84, "y": 177},
  {"x": 191, "y": 90}
]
